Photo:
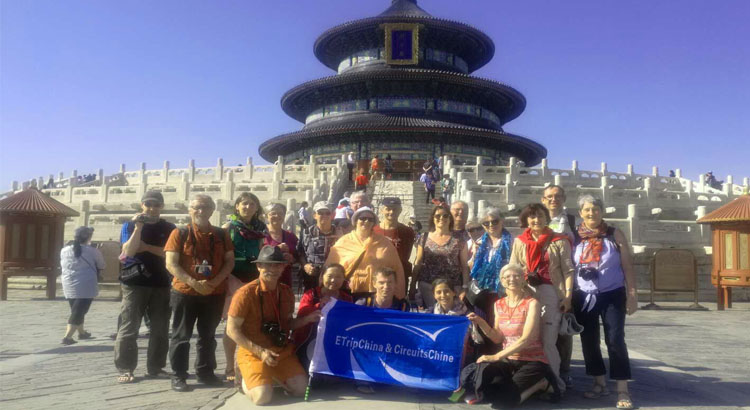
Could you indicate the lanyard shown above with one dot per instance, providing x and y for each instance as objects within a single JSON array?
[
  {"x": 193, "y": 240},
  {"x": 277, "y": 311}
]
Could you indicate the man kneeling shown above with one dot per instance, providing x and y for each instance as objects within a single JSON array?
[{"x": 260, "y": 320}]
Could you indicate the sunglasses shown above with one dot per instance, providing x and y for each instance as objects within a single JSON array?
[
  {"x": 491, "y": 222},
  {"x": 477, "y": 229},
  {"x": 442, "y": 216},
  {"x": 366, "y": 219}
]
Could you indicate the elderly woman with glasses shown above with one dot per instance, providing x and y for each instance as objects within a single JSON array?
[
  {"x": 490, "y": 252},
  {"x": 441, "y": 254},
  {"x": 285, "y": 240},
  {"x": 363, "y": 252},
  {"x": 520, "y": 369},
  {"x": 605, "y": 289}
]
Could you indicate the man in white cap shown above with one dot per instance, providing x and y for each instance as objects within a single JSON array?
[{"x": 316, "y": 243}]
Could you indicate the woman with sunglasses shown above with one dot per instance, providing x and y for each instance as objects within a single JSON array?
[
  {"x": 441, "y": 254},
  {"x": 546, "y": 257},
  {"x": 491, "y": 252},
  {"x": 362, "y": 252}
]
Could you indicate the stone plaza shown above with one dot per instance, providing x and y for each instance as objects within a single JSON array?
[{"x": 681, "y": 359}]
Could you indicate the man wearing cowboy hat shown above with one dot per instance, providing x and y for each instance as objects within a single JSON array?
[{"x": 260, "y": 321}]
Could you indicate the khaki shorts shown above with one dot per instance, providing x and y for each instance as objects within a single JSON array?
[{"x": 256, "y": 373}]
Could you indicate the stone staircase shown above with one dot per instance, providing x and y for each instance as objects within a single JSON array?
[{"x": 412, "y": 195}]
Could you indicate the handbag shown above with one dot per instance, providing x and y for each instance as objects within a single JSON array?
[{"x": 132, "y": 270}]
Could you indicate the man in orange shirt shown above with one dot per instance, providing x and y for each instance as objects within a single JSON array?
[
  {"x": 260, "y": 321},
  {"x": 200, "y": 257}
]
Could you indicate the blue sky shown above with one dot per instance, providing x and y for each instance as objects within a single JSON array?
[{"x": 92, "y": 84}]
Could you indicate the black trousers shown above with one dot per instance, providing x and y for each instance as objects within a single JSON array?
[
  {"x": 611, "y": 308},
  {"x": 430, "y": 194},
  {"x": 503, "y": 382},
  {"x": 204, "y": 313},
  {"x": 351, "y": 168},
  {"x": 78, "y": 310}
]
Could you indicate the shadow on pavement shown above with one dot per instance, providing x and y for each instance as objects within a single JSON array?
[{"x": 79, "y": 349}]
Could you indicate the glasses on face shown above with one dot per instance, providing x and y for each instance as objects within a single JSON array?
[
  {"x": 442, "y": 216},
  {"x": 491, "y": 222},
  {"x": 366, "y": 219},
  {"x": 477, "y": 229},
  {"x": 152, "y": 204}
]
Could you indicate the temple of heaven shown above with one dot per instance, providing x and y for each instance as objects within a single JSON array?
[{"x": 403, "y": 86}]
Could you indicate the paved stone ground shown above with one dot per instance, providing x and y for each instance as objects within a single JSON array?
[{"x": 681, "y": 360}]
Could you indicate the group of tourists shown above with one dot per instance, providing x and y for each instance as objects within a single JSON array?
[{"x": 525, "y": 296}]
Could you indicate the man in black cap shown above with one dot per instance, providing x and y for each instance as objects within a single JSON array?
[
  {"x": 260, "y": 322},
  {"x": 400, "y": 235},
  {"x": 145, "y": 289}
]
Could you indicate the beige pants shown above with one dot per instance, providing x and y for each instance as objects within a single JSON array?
[{"x": 551, "y": 315}]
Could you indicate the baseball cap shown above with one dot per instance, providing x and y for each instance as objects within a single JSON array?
[
  {"x": 391, "y": 201},
  {"x": 153, "y": 196},
  {"x": 321, "y": 205}
]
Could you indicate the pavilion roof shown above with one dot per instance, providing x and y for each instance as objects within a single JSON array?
[
  {"x": 736, "y": 211},
  {"x": 32, "y": 201}
]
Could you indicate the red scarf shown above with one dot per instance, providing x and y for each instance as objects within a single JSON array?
[
  {"x": 534, "y": 256},
  {"x": 592, "y": 238}
]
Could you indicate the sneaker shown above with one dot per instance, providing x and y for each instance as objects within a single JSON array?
[
  {"x": 180, "y": 385},
  {"x": 67, "y": 341},
  {"x": 210, "y": 380}
]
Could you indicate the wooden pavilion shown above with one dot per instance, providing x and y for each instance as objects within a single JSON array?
[
  {"x": 730, "y": 225},
  {"x": 31, "y": 237}
]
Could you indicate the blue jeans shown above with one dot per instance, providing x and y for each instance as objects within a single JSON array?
[{"x": 611, "y": 308}]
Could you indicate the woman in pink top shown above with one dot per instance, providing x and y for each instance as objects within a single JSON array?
[{"x": 520, "y": 369}]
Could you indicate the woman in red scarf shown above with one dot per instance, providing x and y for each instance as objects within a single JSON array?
[{"x": 545, "y": 255}]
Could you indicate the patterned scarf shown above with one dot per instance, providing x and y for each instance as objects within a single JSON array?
[
  {"x": 486, "y": 272},
  {"x": 253, "y": 230},
  {"x": 592, "y": 248}
]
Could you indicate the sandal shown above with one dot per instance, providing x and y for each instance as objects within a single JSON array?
[
  {"x": 229, "y": 375},
  {"x": 624, "y": 401},
  {"x": 599, "y": 390},
  {"x": 125, "y": 378}
]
